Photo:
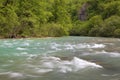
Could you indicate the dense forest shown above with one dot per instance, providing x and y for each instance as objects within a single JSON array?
[{"x": 53, "y": 18}]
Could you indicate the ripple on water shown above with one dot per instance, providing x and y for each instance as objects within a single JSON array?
[
  {"x": 12, "y": 74},
  {"x": 70, "y": 46},
  {"x": 93, "y": 45},
  {"x": 25, "y": 44},
  {"x": 103, "y": 52},
  {"x": 20, "y": 48}
]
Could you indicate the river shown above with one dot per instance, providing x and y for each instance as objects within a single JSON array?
[{"x": 63, "y": 58}]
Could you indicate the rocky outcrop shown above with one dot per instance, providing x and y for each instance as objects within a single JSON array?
[{"x": 83, "y": 12}]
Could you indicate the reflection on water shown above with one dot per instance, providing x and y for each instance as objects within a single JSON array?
[{"x": 65, "y": 58}]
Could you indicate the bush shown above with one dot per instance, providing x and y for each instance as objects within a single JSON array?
[
  {"x": 52, "y": 30},
  {"x": 94, "y": 31},
  {"x": 110, "y": 25},
  {"x": 96, "y": 22},
  {"x": 117, "y": 33},
  {"x": 110, "y": 8},
  {"x": 80, "y": 29}
]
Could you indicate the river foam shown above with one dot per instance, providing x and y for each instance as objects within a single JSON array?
[
  {"x": 70, "y": 46},
  {"x": 65, "y": 66},
  {"x": 93, "y": 45}
]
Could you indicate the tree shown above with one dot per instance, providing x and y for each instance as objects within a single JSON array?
[
  {"x": 117, "y": 33},
  {"x": 110, "y": 25},
  {"x": 9, "y": 20},
  {"x": 96, "y": 23}
]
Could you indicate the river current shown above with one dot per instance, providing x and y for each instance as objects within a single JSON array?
[{"x": 64, "y": 58}]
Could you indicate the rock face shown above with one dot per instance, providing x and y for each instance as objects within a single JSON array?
[{"x": 83, "y": 12}]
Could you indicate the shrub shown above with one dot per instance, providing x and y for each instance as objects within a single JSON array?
[
  {"x": 110, "y": 25},
  {"x": 53, "y": 30},
  {"x": 80, "y": 28},
  {"x": 117, "y": 33},
  {"x": 96, "y": 22}
]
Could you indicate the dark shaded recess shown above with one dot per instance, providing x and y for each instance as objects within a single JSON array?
[{"x": 83, "y": 12}]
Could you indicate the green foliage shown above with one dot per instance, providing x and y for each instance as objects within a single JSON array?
[
  {"x": 110, "y": 25},
  {"x": 52, "y": 29},
  {"x": 39, "y": 18},
  {"x": 80, "y": 28},
  {"x": 117, "y": 33},
  {"x": 103, "y": 19},
  {"x": 96, "y": 22},
  {"x": 8, "y": 22},
  {"x": 110, "y": 9}
]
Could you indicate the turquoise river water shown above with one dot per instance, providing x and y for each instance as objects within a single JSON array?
[{"x": 64, "y": 58}]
